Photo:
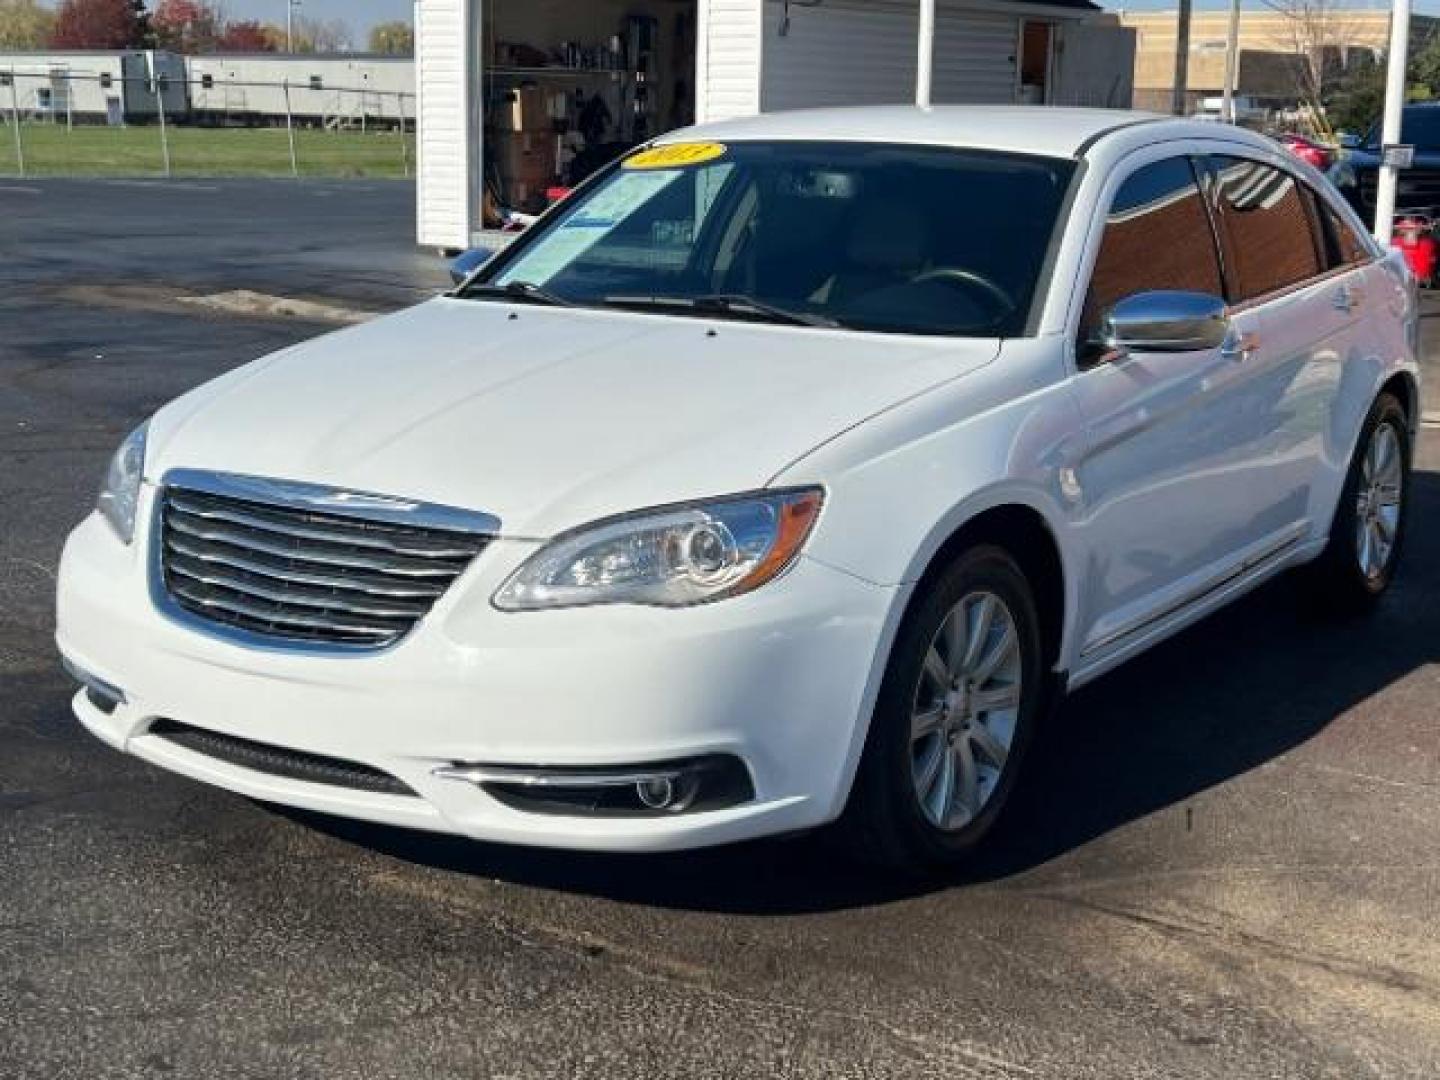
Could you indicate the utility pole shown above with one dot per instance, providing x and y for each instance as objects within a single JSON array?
[
  {"x": 1232, "y": 64},
  {"x": 1390, "y": 126},
  {"x": 1182, "y": 58},
  {"x": 290, "y": 6}
]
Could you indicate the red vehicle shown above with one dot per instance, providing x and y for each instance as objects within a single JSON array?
[
  {"x": 1415, "y": 237},
  {"x": 1317, "y": 154}
]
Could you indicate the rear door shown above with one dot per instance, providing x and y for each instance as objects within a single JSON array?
[{"x": 1282, "y": 264}]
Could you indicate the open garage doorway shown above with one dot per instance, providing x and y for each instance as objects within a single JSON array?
[{"x": 569, "y": 85}]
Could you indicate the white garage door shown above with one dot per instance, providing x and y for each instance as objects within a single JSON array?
[{"x": 862, "y": 52}]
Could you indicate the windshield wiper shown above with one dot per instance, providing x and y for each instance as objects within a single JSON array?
[
  {"x": 725, "y": 304},
  {"x": 526, "y": 292}
]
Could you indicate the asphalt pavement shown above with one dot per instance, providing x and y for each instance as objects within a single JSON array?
[{"x": 1228, "y": 865}]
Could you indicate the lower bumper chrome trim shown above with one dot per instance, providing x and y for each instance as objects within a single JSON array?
[{"x": 559, "y": 778}]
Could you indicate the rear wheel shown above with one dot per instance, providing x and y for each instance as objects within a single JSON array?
[
  {"x": 1365, "y": 540},
  {"x": 956, "y": 713}
]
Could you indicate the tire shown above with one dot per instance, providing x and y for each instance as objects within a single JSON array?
[
  {"x": 892, "y": 818},
  {"x": 1348, "y": 579}
]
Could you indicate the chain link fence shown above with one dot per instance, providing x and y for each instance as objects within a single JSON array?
[{"x": 96, "y": 123}]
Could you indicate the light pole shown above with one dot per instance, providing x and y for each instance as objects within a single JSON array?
[
  {"x": 1182, "y": 60},
  {"x": 925, "y": 61},
  {"x": 1232, "y": 62},
  {"x": 1390, "y": 127},
  {"x": 290, "y": 6}
]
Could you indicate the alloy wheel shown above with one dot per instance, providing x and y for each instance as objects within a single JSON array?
[
  {"x": 965, "y": 710},
  {"x": 1377, "y": 510}
]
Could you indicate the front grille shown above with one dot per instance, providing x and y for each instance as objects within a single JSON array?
[
  {"x": 1418, "y": 189},
  {"x": 287, "y": 571},
  {"x": 278, "y": 761}
]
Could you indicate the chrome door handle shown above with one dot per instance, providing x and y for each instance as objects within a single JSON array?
[
  {"x": 1347, "y": 298},
  {"x": 1238, "y": 347}
]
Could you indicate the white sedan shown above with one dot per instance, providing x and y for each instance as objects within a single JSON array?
[{"x": 784, "y": 475}]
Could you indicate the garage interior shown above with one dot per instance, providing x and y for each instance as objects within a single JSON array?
[{"x": 570, "y": 84}]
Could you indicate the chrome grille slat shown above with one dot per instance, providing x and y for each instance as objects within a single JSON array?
[
  {"x": 294, "y": 573},
  {"x": 306, "y": 597},
  {"x": 273, "y": 616},
  {"x": 290, "y": 570},
  {"x": 326, "y": 529},
  {"x": 222, "y": 534}
]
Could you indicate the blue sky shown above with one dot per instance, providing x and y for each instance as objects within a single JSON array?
[
  {"x": 362, "y": 14},
  {"x": 1427, "y": 7}
]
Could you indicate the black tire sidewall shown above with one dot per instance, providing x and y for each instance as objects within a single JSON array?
[
  {"x": 887, "y": 796},
  {"x": 1342, "y": 554}
]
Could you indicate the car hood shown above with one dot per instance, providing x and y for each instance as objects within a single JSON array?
[{"x": 547, "y": 418}]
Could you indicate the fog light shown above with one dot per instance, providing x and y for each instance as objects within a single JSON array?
[
  {"x": 712, "y": 782},
  {"x": 656, "y": 794}
]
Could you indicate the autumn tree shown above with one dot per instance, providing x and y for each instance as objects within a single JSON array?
[
  {"x": 392, "y": 38},
  {"x": 24, "y": 24},
  {"x": 186, "y": 26},
  {"x": 102, "y": 24}
]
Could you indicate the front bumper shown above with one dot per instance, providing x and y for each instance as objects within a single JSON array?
[{"x": 781, "y": 679}]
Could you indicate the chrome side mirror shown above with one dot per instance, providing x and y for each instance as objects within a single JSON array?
[
  {"x": 467, "y": 263},
  {"x": 1165, "y": 321}
]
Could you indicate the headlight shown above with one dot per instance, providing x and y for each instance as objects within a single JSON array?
[
  {"x": 669, "y": 557},
  {"x": 120, "y": 495}
]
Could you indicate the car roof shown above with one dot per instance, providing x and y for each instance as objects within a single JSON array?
[{"x": 1050, "y": 131}]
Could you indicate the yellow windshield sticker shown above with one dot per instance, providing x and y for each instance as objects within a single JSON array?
[{"x": 676, "y": 155}]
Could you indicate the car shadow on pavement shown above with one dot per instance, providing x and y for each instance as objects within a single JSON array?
[{"x": 1240, "y": 689}]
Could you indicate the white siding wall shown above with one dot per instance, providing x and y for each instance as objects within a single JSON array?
[
  {"x": 727, "y": 62},
  {"x": 975, "y": 57},
  {"x": 447, "y": 195},
  {"x": 862, "y": 52},
  {"x": 851, "y": 52}
]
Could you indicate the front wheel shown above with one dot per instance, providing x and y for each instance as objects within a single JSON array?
[
  {"x": 956, "y": 712},
  {"x": 1365, "y": 540}
]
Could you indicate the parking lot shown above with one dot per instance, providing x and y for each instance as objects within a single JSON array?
[{"x": 1226, "y": 866}]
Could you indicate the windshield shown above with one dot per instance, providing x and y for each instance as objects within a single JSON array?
[{"x": 870, "y": 237}]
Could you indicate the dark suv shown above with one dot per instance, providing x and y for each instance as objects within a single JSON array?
[{"x": 1357, "y": 174}]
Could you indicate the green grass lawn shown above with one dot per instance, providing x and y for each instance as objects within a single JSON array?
[{"x": 51, "y": 150}]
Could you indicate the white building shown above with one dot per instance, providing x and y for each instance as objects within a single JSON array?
[
  {"x": 500, "y": 81},
  {"x": 92, "y": 87},
  {"x": 349, "y": 89}
]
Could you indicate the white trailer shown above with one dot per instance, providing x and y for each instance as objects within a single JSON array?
[
  {"x": 339, "y": 90},
  {"x": 722, "y": 58},
  {"x": 126, "y": 86}
]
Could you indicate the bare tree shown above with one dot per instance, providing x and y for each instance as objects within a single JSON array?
[
  {"x": 1319, "y": 32},
  {"x": 323, "y": 36}
]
